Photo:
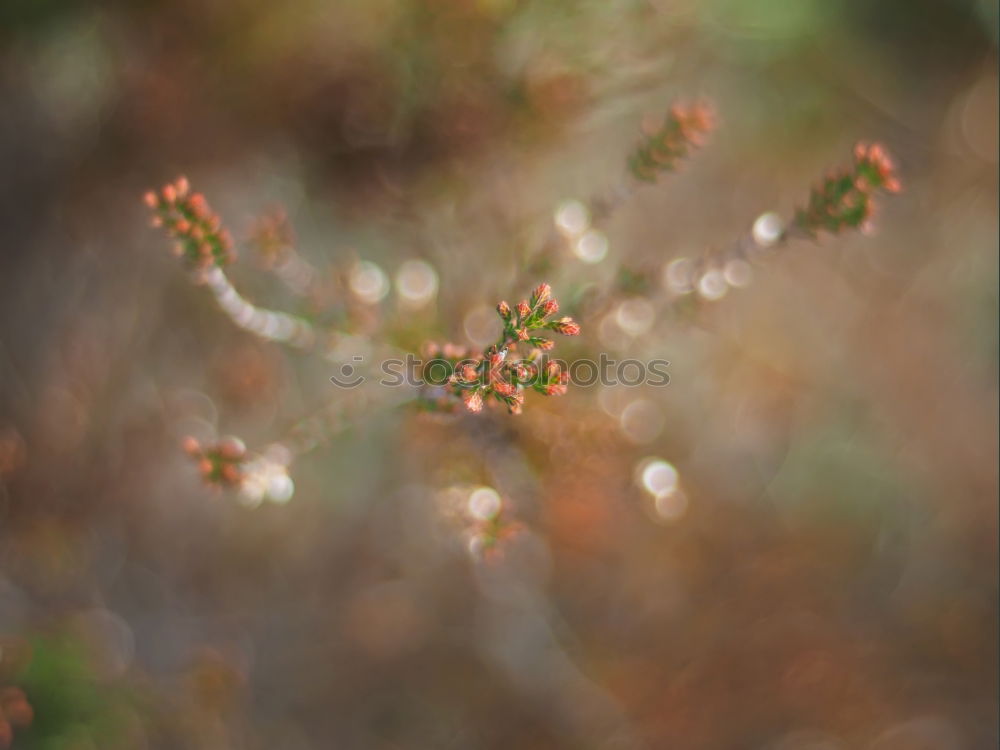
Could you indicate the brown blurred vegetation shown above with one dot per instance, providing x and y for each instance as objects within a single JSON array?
[{"x": 833, "y": 582}]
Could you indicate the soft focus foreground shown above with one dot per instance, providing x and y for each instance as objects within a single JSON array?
[{"x": 792, "y": 546}]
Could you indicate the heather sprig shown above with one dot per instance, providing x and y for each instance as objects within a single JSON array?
[
  {"x": 663, "y": 147},
  {"x": 200, "y": 238},
  {"x": 500, "y": 373},
  {"x": 206, "y": 247},
  {"x": 578, "y": 222},
  {"x": 220, "y": 464},
  {"x": 844, "y": 199}
]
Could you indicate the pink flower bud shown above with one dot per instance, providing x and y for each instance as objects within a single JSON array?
[
  {"x": 230, "y": 473},
  {"x": 516, "y": 404},
  {"x": 542, "y": 292},
  {"x": 504, "y": 388},
  {"x": 504, "y": 310},
  {"x": 551, "y": 306},
  {"x": 566, "y": 327},
  {"x": 231, "y": 448},
  {"x": 523, "y": 309},
  {"x": 198, "y": 205},
  {"x": 473, "y": 401}
]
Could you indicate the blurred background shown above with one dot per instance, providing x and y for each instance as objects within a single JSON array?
[{"x": 793, "y": 546}]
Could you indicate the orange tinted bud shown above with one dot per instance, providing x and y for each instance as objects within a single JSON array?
[
  {"x": 232, "y": 448},
  {"x": 191, "y": 446},
  {"x": 504, "y": 388},
  {"x": 230, "y": 473},
  {"x": 150, "y": 199},
  {"x": 516, "y": 405},
  {"x": 566, "y": 326},
  {"x": 473, "y": 401}
]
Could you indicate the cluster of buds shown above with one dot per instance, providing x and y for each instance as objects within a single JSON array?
[
  {"x": 15, "y": 713},
  {"x": 663, "y": 146},
  {"x": 220, "y": 464},
  {"x": 552, "y": 380},
  {"x": 200, "y": 238},
  {"x": 844, "y": 199},
  {"x": 499, "y": 373}
]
